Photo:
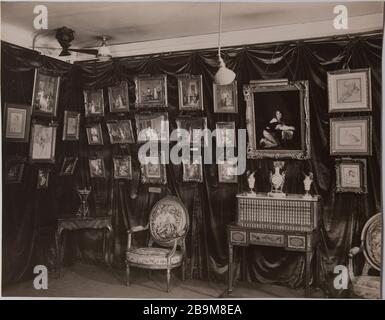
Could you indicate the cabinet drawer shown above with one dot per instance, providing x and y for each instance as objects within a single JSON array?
[
  {"x": 238, "y": 237},
  {"x": 269, "y": 239},
  {"x": 296, "y": 242}
]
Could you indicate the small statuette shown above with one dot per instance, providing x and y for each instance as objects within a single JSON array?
[
  {"x": 83, "y": 210},
  {"x": 251, "y": 182},
  {"x": 307, "y": 185},
  {"x": 277, "y": 179}
]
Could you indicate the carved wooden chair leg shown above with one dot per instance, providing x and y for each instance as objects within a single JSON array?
[
  {"x": 168, "y": 279},
  {"x": 128, "y": 275}
]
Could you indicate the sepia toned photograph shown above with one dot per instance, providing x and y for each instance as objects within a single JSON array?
[
  {"x": 71, "y": 126},
  {"x": 43, "y": 143},
  {"x": 349, "y": 90},
  {"x": 43, "y": 178},
  {"x": 68, "y": 166},
  {"x": 94, "y": 102},
  {"x": 45, "y": 94},
  {"x": 122, "y": 167},
  {"x": 351, "y": 175},
  {"x": 120, "y": 131},
  {"x": 351, "y": 136},
  {"x": 97, "y": 168},
  {"x": 153, "y": 171},
  {"x": 151, "y": 91},
  {"x": 193, "y": 170},
  {"x": 152, "y": 127},
  {"x": 190, "y": 92},
  {"x": 17, "y": 119},
  {"x": 225, "y": 98},
  {"x": 118, "y": 97},
  {"x": 95, "y": 134}
]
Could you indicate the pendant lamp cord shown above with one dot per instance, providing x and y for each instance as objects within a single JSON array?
[{"x": 220, "y": 28}]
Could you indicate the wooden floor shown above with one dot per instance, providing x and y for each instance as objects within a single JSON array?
[{"x": 90, "y": 281}]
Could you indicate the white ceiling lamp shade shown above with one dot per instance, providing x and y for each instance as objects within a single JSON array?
[
  {"x": 224, "y": 75},
  {"x": 104, "y": 53}
]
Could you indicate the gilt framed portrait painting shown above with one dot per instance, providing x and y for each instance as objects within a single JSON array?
[
  {"x": 71, "y": 125},
  {"x": 93, "y": 102},
  {"x": 45, "y": 94},
  {"x": 43, "y": 143},
  {"x": 151, "y": 91},
  {"x": 17, "y": 119},
  {"x": 190, "y": 92},
  {"x": 351, "y": 175},
  {"x": 118, "y": 97}
]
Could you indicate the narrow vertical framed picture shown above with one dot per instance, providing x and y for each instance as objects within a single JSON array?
[
  {"x": 349, "y": 90},
  {"x": 45, "y": 94},
  {"x": 225, "y": 98},
  {"x": 94, "y": 134},
  {"x": 118, "y": 97},
  {"x": 122, "y": 167},
  {"x": 17, "y": 120},
  {"x": 71, "y": 126},
  {"x": 97, "y": 168},
  {"x": 151, "y": 91},
  {"x": 351, "y": 136},
  {"x": 227, "y": 171},
  {"x": 351, "y": 175},
  {"x": 43, "y": 178},
  {"x": 14, "y": 168},
  {"x": 225, "y": 133},
  {"x": 190, "y": 92},
  {"x": 68, "y": 166},
  {"x": 43, "y": 143},
  {"x": 93, "y": 102},
  {"x": 193, "y": 170}
]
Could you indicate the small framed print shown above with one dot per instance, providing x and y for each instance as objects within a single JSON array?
[
  {"x": 151, "y": 91},
  {"x": 43, "y": 178},
  {"x": 118, "y": 97},
  {"x": 152, "y": 127},
  {"x": 120, "y": 131},
  {"x": 195, "y": 130},
  {"x": 349, "y": 90},
  {"x": 122, "y": 167},
  {"x": 17, "y": 119},
  {"x": 190, "y": 92},
  {"x": 227, "y": 171},
  {"x": 43, "y": 143},
  {"x": 225, "y": 98},
  {"x": 68, "y": 166},
  {"x": 94, "y": 134},
  {"x": 45, "y": 94},
  {"x": 14, "y": 168},
  {"x": 97, "y": 168},
  {"x": 225, "y": 133},
  {"x": 193, "y": 170},
  {"x": 351, "y": 136},
  {"x": 351, "y": 175},
  {"x": 71, "y": 125},
  {"x": 94, "y": 102},
  {"x": 153, "y": 170}
]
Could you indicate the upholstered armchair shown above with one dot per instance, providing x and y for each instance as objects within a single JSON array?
[
  {"x": 168, "y": 225},
  {"x": 367, "y": 286}
]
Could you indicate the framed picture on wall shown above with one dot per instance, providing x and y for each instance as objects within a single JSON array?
[
  {"x": 93, "y": 102},
  {"x": 43, "y": 178},
  {"x": 193, "y": 170},
  {"x": 97, "y": 168},
  {"x": 152, "y": 127},
  {"x": 190, "y": 92},
  {"x": 153, "y": 170},
  {"x": 225, "y": 98},
  {"x": 227, "y": 171},
  {"x": 94, "y": 134},
  {"x": 45, "y": 94},
  {"x": 193, "y": 129},
  {"x": 151, "y": 91},
  {"x": 120, "y": 131},
  {"x": 68, "y": 166},
  {"x": 14, "y": 168},
  {"x": 122, "y": 167},
  {"x": 17, "y": 120},
  {"x": 118, "y": 97},
  {"x": 225, "y": 133},
  {"x": 351, "y": 136},
  {"x": 351, "y": 175},
  {"x": 43, "y": 143},
  {"x": 349, "y": 90},
  {"x": 71, "y": 125},
  {"x": 278, "y": 122}
]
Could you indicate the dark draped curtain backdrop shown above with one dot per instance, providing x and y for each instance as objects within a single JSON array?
[{"x": 29, "y": 215}]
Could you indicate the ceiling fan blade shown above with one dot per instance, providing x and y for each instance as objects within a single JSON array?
[{"x": 86, "y": 51}]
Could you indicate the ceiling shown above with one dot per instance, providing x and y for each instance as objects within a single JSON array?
[{"x": 131, "y": 22}]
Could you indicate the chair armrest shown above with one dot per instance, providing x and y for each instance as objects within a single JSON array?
[
  {"x": 352, "y": 253},
  {"x": 132, "y": 231},
  {"x": 173, "y": 250}
]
